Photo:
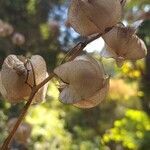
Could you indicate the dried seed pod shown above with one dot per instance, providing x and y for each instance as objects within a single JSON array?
[
  {"x": 96, "y": 99},
  {"x": 23, "y": 132},
  {"x": 5, "y": 29},
  {"x": 17, "y": 74},
  {"x": 88, "y": 17},
  {"x": 85, "y": 80},
  {"x": 40, "y": 70},
  {"x": 18, "y": 39},
  {"x": 124, "y": 44},
  {"x": 13, "y": 76}
]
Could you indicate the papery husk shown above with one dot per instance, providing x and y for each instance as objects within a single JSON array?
[
  {"x": 40, "y": 96},
  {"x": 14, "y": 78},
  {"x": 23, "y": 132},
  {"x": 88, "y": 17},
  {"x": 40, "y": 71},
  {"x": 18, "y": 39},
  {"x": 83, "y": 77},
  {"x": 96, "y": 99},
  {"x": 124, "y": 44}
]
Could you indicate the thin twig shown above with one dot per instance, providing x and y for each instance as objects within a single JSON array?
[
  {"x": 73, "y": 54},
  {"x": 21, "y": 117},
  {"x": 25, "y": 108},
  {"x": 82, "y": 46},
  {"x": 76, "y": 50},
  {"x": 69, "y": 53}
]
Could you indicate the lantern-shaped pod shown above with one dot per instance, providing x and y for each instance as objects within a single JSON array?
[
  {"x": 86, "y": 83},
  {"x": 88, "y": 17},
  {"x": 17, "y": 74},
  {"x": 124, "y": 44}
]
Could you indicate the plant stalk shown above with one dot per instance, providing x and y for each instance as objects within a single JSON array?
[{"x": 73, "y": 53}]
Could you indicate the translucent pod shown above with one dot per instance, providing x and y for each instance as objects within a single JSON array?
[
  {"x": 88, "y": 17},
  {"x": 86, "y": 83}
]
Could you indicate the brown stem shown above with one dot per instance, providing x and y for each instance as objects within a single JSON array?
[
  {"x": 70, "y": 52},
  {"x": 74, "y": 52},
  {"x": 77, "y": 49},
  {"x": 21, "y": 117},
  {"x": 82, "y": 46},
  {"x": 24, "y": 111}
]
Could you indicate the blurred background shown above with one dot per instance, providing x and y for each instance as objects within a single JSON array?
[{"x": 121, "y": 122}]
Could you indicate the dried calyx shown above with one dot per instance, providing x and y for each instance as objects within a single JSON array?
[
  {"x": 123, "y": 44},
  {"x": 85, "y": 83},
  {"x": 23, "y": 133},
  {"x": 88, "y": 17},
  {"x": 18, "y": 75}
]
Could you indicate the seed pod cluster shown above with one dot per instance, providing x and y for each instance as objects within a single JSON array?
[
  {"x": 86, "y": 83},
  {"x": 88, "y": 17},
  {"x": 17, "y": 74},
  {"x": 124, "y": 44},
  {"x": 23, "y": 133}
]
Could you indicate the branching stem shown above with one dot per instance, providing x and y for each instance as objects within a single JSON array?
[{"x": 72, "y": 54}]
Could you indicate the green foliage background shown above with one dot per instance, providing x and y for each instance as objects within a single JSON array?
[{"x": 121, "y": 122}]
